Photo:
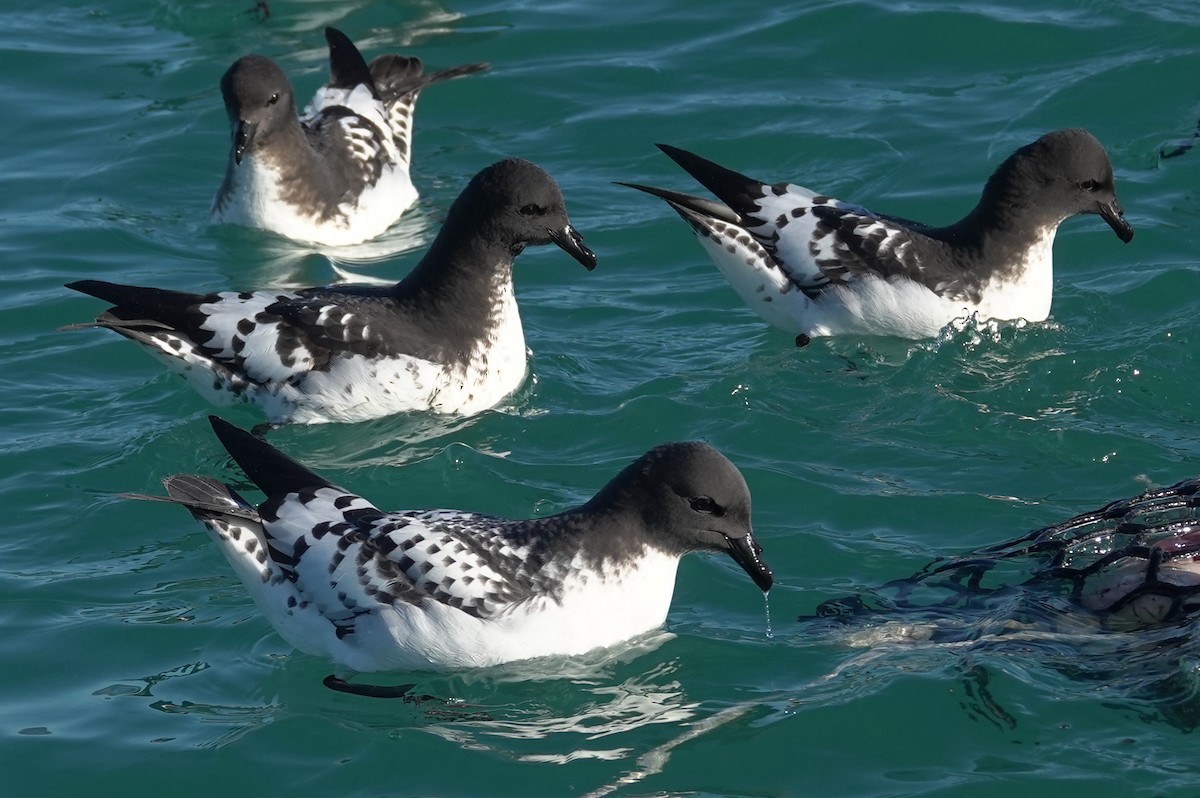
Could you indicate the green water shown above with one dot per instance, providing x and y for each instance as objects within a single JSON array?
[{"x": 134, "y": 662}]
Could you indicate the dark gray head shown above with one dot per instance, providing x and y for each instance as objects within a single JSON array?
[
  {"x": 517, "y": 204},
  {"x": 258, "y": 101},
  {"x": 1067, "y": 172},
  {"x": 689, "y": 497}
]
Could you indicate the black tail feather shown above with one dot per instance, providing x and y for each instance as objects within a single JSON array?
[
  {"x": 202, "y": 496},
  {"x": 687, "y": 202},
  {"x": 398, "y": 75}
]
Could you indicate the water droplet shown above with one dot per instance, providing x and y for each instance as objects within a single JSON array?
[{"x": 767, "y": 605}]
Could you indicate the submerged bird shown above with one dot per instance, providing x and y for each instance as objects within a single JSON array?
[
  {"x": 815, "y": 266},
  {"x": 1133, "y": 563},
  {"x": 337, "y": 174},
  {"x": 437, "y": 589},
  {"x": 1107, "y": 600},
  {"x": 446, "y": 338}
]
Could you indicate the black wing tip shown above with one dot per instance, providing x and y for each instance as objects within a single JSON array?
[
  {"x": 274, "y": 472},
  {"x": 347, "y": 67},
  {"x": 675, "y": 199},
  {"x": 89, "y": 287},
  {"x": 688, "y": 159},
  {"x": 335, "y": 38},
  {"x": 223, "y": 428},
  {"x": 733, "y": 188},
  {"x": 239, "y": 442},
  {"x": 113, "y": 293}
]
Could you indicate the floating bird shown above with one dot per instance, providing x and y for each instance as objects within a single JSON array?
[
  {"x": 447, "y": 338},
  {"x": 441, "y": 589},
  {"x": 814, "y": 266},
  {"x": 338, "y": 174}
]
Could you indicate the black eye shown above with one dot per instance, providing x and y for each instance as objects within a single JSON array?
[
  {"x": 529, "y": 210},
  {"x": 1089, "y": 185},
  {"x": 274, "y": 99},
  {"x": 704, "y": 504}
]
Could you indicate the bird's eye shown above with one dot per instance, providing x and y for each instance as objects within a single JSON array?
[
  {"x": 274, "y": 99},
  {"x": 1089, "y": 185},
  {"x": 704, "y": 504},
  {"x": 529, "y": 210}
]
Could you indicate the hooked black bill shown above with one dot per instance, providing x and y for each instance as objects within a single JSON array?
[
  {"x": 243, "y": 137},
  {"x": 746, "y": 552},
  {"x": 1111, "y": 212},
  {"x": 572, "y": 243}
]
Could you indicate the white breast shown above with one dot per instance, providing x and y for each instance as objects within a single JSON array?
[
  {"x": 1029, "y": 295},
  {"x": 493, "y": 371},
  {"x": 256, "y": 201}
]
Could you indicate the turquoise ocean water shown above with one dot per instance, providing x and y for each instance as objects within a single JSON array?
[{"x": 134, "y": 662}]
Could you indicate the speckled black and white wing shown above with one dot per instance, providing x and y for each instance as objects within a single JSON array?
[
  {"x": 361, "y": 122},
  {"x": 814, "y": 265},
  {"x": 753, "y": 272},
  {"x": 268, "y": 337},
  {"x": 820, "y": 241},
  {"x": 348, "y": 558},
  {"x": 347, "y": 122},
  {"x": 311, "y": 356},
  {"x": 350, "y": 128}
]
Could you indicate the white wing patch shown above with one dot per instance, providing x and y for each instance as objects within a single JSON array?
[
  {"x": 360, "y": 102},
  {"x": 245, "y": 335}
]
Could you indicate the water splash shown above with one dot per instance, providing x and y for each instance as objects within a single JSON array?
[{"x": 767, "y": 607}]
